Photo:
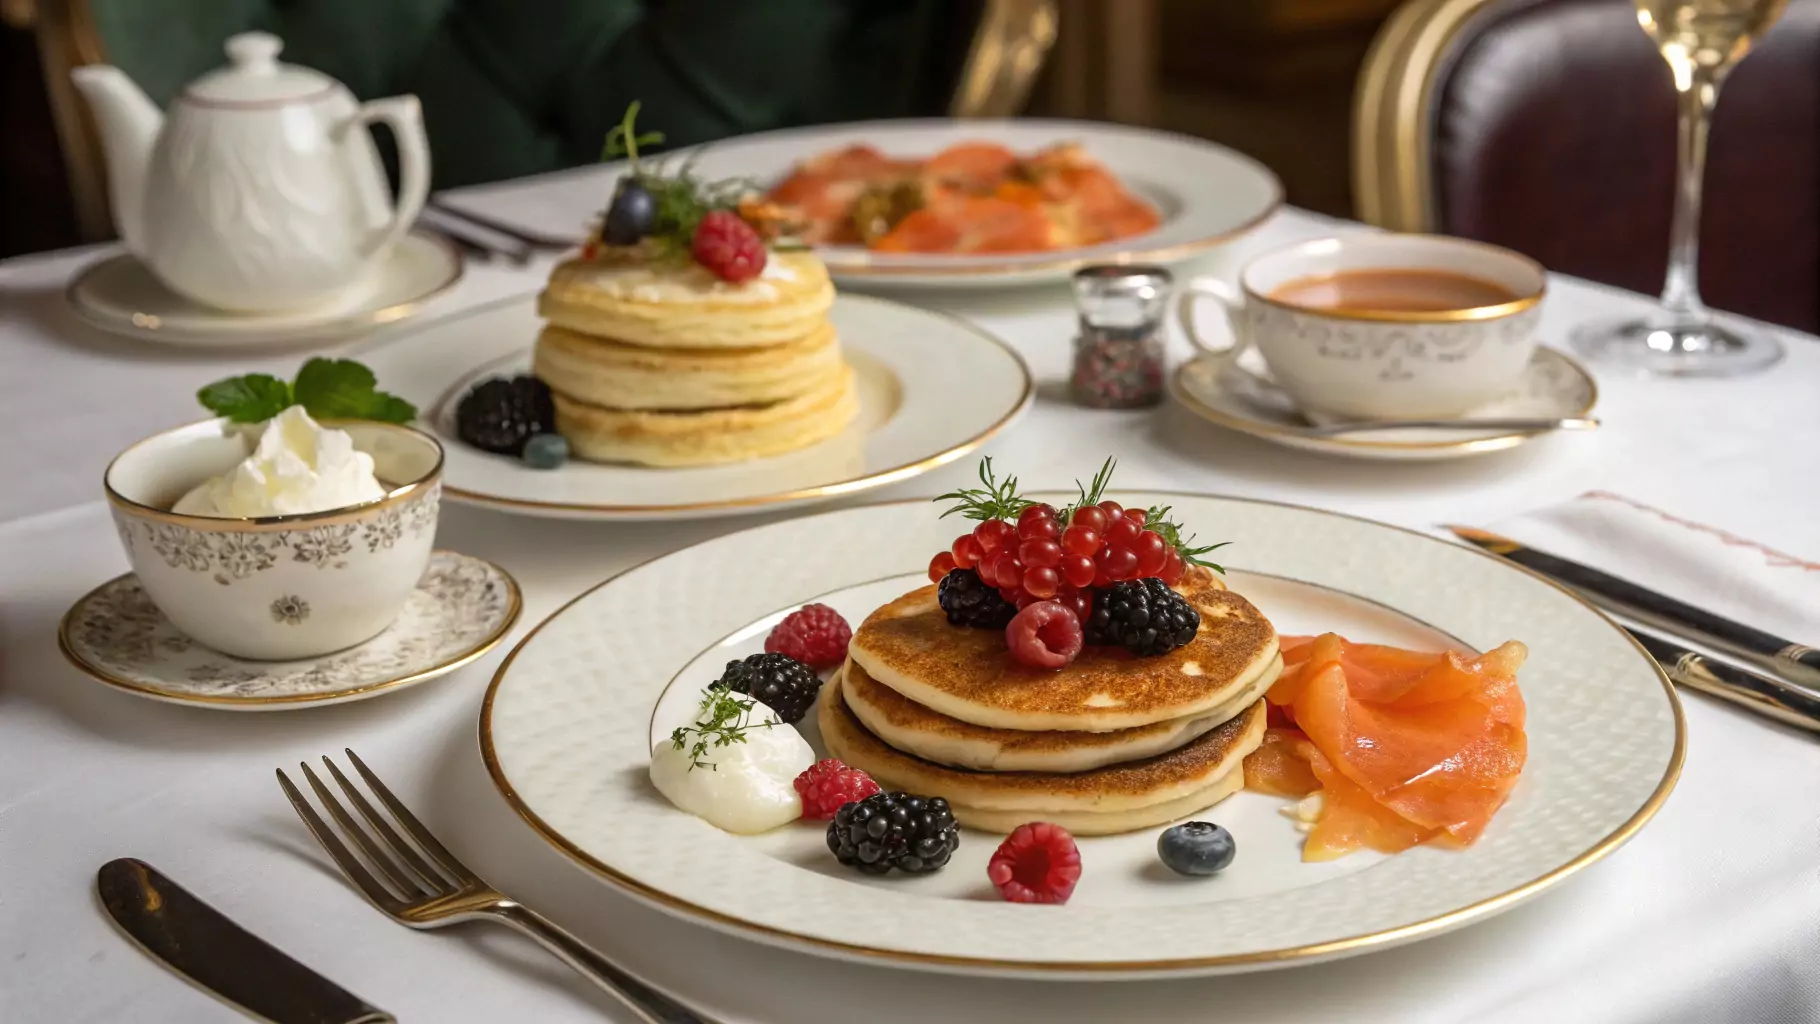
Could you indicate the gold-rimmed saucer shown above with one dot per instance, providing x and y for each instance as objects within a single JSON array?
[
  {"x": 462, "y": 607},
  {"x": 1552, "y": 386},
  {"x": 121, "y": 296}
]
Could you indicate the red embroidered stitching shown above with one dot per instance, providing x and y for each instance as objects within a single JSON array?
[{"x": 1776, "y": 559}]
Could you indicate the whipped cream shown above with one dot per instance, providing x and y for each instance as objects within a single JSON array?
[
  {"x": 750, "y": 787},
  {"x": 297, "y": 466},
  {"x": 643, "y": 282}
]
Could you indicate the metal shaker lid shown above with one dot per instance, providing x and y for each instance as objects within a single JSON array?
[{"x": 1114, "y": 295}]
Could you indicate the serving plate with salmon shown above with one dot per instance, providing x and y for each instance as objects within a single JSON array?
[
  {"x": 1456, "y": 772},
  {"x": 939, "y": 202}
]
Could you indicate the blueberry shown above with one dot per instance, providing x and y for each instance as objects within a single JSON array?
[
  {"x": 1196, "y": 848},
  {"x": 631, "y": 215},
  {"x": 546, "y": 451}
]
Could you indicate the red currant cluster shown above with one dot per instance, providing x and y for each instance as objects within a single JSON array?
[{"x": 1042, "y": 559}]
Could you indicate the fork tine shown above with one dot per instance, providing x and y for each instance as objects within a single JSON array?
[
  {"x": 392, "y": 839},
  {"x": 343, "y": 857},
  {"x": 349, "y": 827},
  {"x": 438, "y": 852}
]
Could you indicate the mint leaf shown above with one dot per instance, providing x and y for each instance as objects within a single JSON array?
[
  {"x": 344, "y": 389},
  {"x": 248, "y": 399}
]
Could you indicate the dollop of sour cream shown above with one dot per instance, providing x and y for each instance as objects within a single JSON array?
[
  {"x": 749, "y": 788},
  {"x": 297, "y": 466}
]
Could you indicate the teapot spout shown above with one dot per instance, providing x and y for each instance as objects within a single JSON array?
[{"x": 129, "y": 124}]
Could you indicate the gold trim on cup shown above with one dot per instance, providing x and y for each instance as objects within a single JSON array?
[
  {"x": 479, "y": 650},
  {"x": 1387, "y": 936},
  {"x": 1413, "y": 316},
  {"x": 272, "y": 524}
]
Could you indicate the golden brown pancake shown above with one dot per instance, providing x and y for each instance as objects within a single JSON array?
[
  {"x": 933, "y": 736},
  {"x": 682, "y": 305},
  {"x": 707, "y": 436},
  {"x": 1132, "y": 795},
  {"x": 617, "y": 376},
  {"x": 968, "y": 674}
]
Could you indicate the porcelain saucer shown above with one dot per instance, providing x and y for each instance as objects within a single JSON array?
[
  {"x": 1551, "y": 386},
  {"x": 462, "y": 607},
  {"x": 121, "y": 296}
]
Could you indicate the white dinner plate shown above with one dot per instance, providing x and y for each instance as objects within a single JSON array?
[
  {"x": 120, "y": 295},
  {"x": 932, "y": 387},
  {"x": 570, "y": 718},
  {"x": 1207, "y": 194},
  {"x": 1551, "y": 386}
]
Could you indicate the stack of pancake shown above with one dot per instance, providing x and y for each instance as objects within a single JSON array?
[
  {"x": 664, "y": 364},
  {"x": 1111, "y": 743}
]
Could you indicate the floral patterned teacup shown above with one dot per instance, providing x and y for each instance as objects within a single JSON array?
[
  {"x": 1358, "y": 362},
  {"x": 276, "y": 587}
]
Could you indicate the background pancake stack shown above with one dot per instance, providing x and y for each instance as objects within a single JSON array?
[
  {"x": 667, "y": 365},
  {"x": 1111, "y": 743}
]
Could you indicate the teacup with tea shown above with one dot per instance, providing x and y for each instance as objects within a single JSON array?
[{"x": 1382, "y": 326}]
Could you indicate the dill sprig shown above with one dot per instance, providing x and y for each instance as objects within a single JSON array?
[
  {"x": 623, "y": 139},
  {"x": 682, "y": 197},
  {"x": 1091, "y": 493},
  {"x": 1157, "y": 518},
  {"x": 722, "y": 720},
  {"x": 994, "y": 500}
]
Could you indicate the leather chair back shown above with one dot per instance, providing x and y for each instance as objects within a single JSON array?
[{"x": 1548, "y": 126}]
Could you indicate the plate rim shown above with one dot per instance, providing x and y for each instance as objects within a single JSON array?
[
  {"x": 329, "y": 328},
  {"x": 684, "y": 909},
  {"x": 852, "y": 485},
  {"x": 1466, "y": 446},
  {"x": 220, "y": 703}
]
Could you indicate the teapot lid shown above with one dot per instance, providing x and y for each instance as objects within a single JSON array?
[{"x": 254, "y": 76}]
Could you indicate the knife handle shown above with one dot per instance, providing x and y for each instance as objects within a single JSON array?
[
  {"x": 650, "y": 1005},
  {"x": 1801, "y": 654},
  {"x": 1761, "y": 693}
]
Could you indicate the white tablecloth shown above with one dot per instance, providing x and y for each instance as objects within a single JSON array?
[{"x": 1712, "y": 913}]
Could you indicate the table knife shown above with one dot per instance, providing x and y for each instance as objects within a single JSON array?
[
  {"x": 1754, "y": 690},
  {"x": 196, "y": 941},
  {"x": 1795, "y": 664}
]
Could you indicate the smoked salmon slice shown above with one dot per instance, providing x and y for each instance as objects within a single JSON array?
[{"x": 1405, "y": 746}]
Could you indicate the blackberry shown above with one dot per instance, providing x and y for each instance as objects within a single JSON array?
[
  {"x": 500, "y": 415},
  {"x": 913, "y": 834},
  {"x": 780, "y": 682},
  {"x": 1143, "y": 616},
  {"x": 969, "y": 602}
]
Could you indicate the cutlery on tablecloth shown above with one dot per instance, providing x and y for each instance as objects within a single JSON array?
[
  {"x": 440, "y": 890},
  {"x": 1753, "y": 690},
  {"x": 198, "y": 942},
  {"x": 499, "y": 227},
  {"x": 1793, "y": 663},
  {"x": 476, "y": 240}
]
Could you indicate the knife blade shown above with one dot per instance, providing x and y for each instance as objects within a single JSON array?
[
  {"x": 1793, "y": 663},
  {"x": 199, "y": 943},
  {"x": 1763, "y": 694}
]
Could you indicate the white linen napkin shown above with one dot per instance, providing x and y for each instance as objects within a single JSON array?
[
  {"x": 1702, "y": 565},
  {"x": 1740, "y": 835}
]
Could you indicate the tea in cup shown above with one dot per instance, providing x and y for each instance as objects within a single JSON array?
[{"x": 1381, "y": 326}]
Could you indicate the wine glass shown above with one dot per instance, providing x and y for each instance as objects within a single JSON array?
[{"x": 1702, "y": 40}]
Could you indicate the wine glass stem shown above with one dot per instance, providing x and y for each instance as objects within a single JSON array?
[{"x": 1697, "y": 95}]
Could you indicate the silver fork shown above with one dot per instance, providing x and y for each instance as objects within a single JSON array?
[{"x": 420, "y": 894}]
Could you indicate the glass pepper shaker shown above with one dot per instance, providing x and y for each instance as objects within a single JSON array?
[{"x": 1118, "y": 357}]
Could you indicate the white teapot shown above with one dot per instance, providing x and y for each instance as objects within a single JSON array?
[{"x": 262, "y": 190}]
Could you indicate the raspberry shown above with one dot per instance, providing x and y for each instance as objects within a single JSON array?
[
  {"x": 814, "y": 634},
  {"x": 1038, "y": 863},
  {"x": 827, "y": 786},
  {"x": 728, "y": 247},
  {"x": 1044, "y": 635}
]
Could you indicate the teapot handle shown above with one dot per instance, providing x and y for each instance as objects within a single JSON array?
[{"x": 404, "y": 115}]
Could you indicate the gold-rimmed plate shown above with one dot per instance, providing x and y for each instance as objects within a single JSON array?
[
  {"x": 462, "y": 607},
  {"x": 931, "y": 388},
  {"x": 1552, "y": 386},
  {"x": 573, "y": 712},
  {"x": 1205, "y": 194},
  {"x": 120, "y": 295}
]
